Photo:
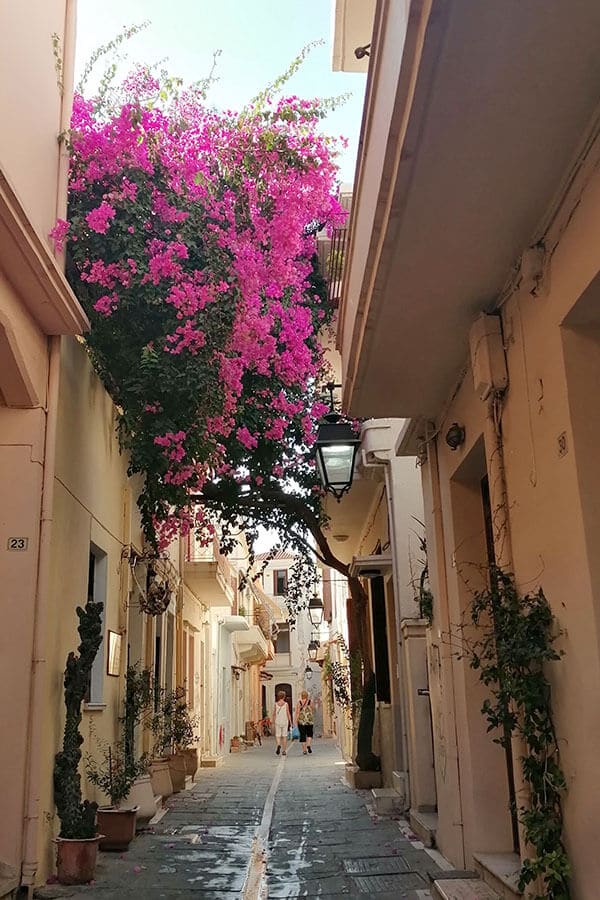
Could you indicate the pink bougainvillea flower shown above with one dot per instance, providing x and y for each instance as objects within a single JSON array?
[
  {"x": 192, "y": 249},
  {"x": 100, "y": 218},
  {"x": 59, "y": 233}
]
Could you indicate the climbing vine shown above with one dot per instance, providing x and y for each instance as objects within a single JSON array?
[
  {"x": 516, "y": 643},
  {"x": 420, "y": 581}
]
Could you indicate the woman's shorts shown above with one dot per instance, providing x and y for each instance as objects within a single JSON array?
[
  {"x": 305, "y": 731},
  {"x": 281, "y": 731}
]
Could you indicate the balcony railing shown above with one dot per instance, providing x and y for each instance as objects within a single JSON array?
[{"x": 217, "y": 568}]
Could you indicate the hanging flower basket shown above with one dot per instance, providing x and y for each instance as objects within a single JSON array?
[{"x": 156, "y": 599}]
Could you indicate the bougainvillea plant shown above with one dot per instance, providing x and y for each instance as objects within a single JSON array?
[
  {"x": 189, "y": 248},
  {"x": 191, "y": 242}
]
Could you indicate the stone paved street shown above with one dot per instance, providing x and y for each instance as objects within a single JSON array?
[{"x": 262, "y": 826}]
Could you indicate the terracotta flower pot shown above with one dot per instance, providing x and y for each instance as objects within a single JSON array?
[
  {"x": 76, "y": 859},
  {"x": 177, "y": 771},
  {"x": 191, "y": 760},
  {"x": 160, "y": 777},
  {"x": 117, "y": 827}
]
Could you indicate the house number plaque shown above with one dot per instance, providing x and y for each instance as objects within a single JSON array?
[{"x": 17, "y": 543}]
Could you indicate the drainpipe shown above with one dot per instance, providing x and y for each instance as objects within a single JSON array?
[
  {"x": 441, "y": 570},
  {"x": 38, "y": 661},
  {"x": 497, "y": 483},
  {"x": 180, "y": 675},
  {"x": 378, "y": 457},
  {"x": 399, "y": 639}
]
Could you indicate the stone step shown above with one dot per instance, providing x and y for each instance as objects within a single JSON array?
[
  {"x": 387, "y": 801},
  {"x": 362, "y": 781},
  {"x": 462, "y": 889},
  {"x": 424, "y": 824},
  {"x": 211, "y": 762},
  {"x": 501, "y": 872}
]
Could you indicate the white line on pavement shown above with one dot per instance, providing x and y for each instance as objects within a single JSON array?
[{"x": 254, "y": 886}]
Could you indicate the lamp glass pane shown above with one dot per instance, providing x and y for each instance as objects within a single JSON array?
[
  {"x": 315, "y": 614},
  {"x": 337, "y": 461}
]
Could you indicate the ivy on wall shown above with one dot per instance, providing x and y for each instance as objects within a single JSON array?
[{"x": 515, "y": 643}]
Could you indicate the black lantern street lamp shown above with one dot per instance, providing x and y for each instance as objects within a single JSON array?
[
  {"x": 308, "y": 672},
  {"x": 336, "y": 447},
  {"x": 313, "y": 650},
  {"x": 315, "y": 611}
]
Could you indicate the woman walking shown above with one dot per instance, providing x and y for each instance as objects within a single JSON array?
[
  {"x": 305, "y": 721},
  {"x": 283, "y": 722}
]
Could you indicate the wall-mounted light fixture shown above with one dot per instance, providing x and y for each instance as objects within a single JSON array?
[
  {"x": 308, "y": 672},
  {"x": 361, "y": 52},
  {"x": 455, "y": 436},
  {"x": 335, "y": 450},
  {"x": 315, "y": 610}
]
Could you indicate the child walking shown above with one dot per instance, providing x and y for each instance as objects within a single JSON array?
[{"x": 283, "y": 722}]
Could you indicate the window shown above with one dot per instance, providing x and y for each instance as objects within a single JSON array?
[
  {"x": 279, "y": 582},
  {"x": 282, "y": 641},
  {"x": 96, "y": 592}
]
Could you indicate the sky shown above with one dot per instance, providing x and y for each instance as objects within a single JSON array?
[{"x": 257, "y": 38}]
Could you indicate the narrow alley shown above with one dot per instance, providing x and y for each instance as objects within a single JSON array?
[{"x": 320, "y": 838}]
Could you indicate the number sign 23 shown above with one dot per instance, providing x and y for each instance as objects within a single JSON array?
[{"x": 17, "y": 543}]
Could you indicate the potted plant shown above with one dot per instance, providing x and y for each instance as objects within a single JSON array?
[
  {"x": 115, "y": 775},
  {"x": 183, "y": 727},
  {"x": 174, "y": 730},
  {"x": 144, "y": 794},
  {"x": 235, "y": 744},
  {"x": 77, "y": 843}
]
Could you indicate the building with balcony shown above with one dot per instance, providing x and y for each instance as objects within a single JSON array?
[
  {"x": 469, "y": 307},
  {"x": 69, "y": 523}
]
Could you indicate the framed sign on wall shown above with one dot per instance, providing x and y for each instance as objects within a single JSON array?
[{"x": 113, "y": 659}]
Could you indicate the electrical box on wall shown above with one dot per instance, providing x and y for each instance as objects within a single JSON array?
[{"x": 488, "y": 360}]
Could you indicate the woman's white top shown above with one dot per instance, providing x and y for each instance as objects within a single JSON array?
[{"x": 281, "y": 716}]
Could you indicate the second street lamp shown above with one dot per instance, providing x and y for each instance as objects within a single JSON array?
[
  {"x": 313, "y": 650},
  {"x": 315, "y": 611}
]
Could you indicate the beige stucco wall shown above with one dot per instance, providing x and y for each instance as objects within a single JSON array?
[
  {"x": 32, "y": 113},
  {"x": 20, "y": 489},
  {"x": 93, "y": 505},
  {"x": 32, "y": 107},
  {"x": 554, "y": 515}
]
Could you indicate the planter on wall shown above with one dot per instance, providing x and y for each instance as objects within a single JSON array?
[
  {"x": 76, "y": 859},
  {"x": 117, "y": 827},
  {"x": 160, "y": 776}
]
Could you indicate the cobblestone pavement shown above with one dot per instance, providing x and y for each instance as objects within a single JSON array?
[{"x": 262, "y": 826}]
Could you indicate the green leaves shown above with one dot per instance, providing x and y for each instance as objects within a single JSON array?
[{"x": 516, "y": 636}]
